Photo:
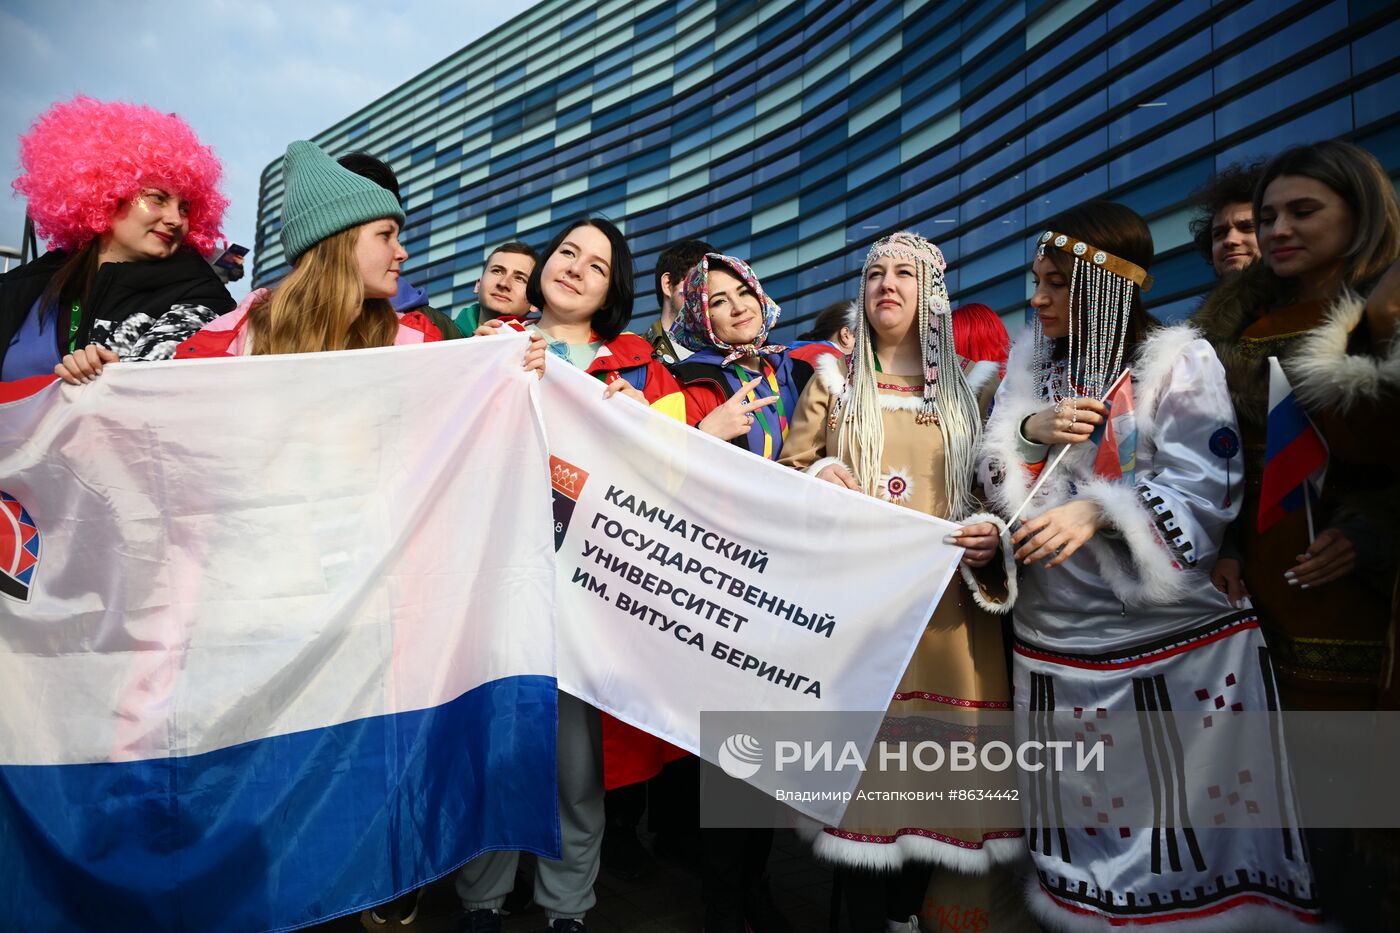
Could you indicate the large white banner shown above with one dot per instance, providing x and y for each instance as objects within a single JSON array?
[{"x": 692, "y": 575}]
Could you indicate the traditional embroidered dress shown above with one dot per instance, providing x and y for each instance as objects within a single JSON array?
[
  {"x": 959, "y": 665},
  {"x": 1131, "y": 624}
]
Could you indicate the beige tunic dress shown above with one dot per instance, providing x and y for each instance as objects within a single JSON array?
[{"x": 958, "y": 672}]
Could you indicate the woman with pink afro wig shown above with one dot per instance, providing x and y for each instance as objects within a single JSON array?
[{"x": 127, "y": 198}]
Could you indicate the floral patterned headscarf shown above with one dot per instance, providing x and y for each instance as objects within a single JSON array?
[{"x": 693, "y": 328}]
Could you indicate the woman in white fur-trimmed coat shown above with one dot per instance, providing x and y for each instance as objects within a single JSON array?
[
  {"x": 902, "y": 425},
  {"x": 1117, "y": 619}
]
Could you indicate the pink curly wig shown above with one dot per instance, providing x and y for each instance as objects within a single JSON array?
[{"x": 82, "y": 158}]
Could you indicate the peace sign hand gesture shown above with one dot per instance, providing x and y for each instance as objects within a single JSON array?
[{"x": 735, "y": 417}]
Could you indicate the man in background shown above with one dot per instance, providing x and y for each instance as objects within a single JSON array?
[
  {"x": 500, "y": 292},
  {"x": 671, "y": 267}
]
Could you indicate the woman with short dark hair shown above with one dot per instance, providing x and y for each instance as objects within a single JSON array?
[{"x": 584, "y": 289}]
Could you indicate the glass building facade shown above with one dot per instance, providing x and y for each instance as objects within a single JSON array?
[{"x": 795, "y": 132}]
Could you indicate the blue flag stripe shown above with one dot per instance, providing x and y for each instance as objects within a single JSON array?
[{"x": 285, "y": 831}]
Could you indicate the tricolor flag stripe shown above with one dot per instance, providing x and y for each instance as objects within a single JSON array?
[
  {"x": 263, "y": 677},
  {"x": 1295, "y": 453},
  {"x": 1116, "y": 437},
  {"x": 288, "y": 830}
]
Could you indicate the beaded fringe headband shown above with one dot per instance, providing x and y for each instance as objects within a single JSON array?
[{"x": 1100, "y": 302}]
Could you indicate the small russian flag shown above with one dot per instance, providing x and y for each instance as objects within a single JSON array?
[
  {"x": 1117, "y": 436},
  {"x": 1295, "y": 456}
]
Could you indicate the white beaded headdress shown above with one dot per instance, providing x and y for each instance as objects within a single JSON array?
[
  {"x": 948, "y": 401},
  {"x": 1100, "y": 301}
]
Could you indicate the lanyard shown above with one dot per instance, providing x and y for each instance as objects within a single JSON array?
[
  {"x": 768, "y": 371},
  {"x": 75, "y": 317}
]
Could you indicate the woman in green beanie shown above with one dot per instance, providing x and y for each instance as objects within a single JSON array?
[{"x": 340, "y": 231}]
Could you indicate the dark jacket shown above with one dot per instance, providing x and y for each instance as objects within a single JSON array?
[{"x": 140, "y": 310}]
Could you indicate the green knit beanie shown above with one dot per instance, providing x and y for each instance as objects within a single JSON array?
[{"x": 323, "y": 198}]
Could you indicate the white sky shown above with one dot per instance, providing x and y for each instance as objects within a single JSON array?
[{"x": 249, "y": 75}]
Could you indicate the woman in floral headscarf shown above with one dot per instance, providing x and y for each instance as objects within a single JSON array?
[{"x": 738, "y": 386}]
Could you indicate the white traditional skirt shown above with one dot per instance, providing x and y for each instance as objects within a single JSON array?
[{"x": 1192, "y": 820}]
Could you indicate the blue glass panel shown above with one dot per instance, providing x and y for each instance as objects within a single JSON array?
[
  {"x": 1186, "y": 55},
  {"x": 577, "y": 21},
  {"x": 927, "y": 80},
  {"x": 424, "y": 151},
  {"x": 731, "y": 232},
  {"x": 1297, "y": 84},
  {"x": 358, "y": 130},
  {"x": 989, "y": 99},
  {"x": 816, "y": 198},
  {"x": 1001, "y": 296},
  {"x": 830, "y": 85},
  {"x": 1376, "y": 102},
  {"x": 868, "y": 169},
  {"x": 450, "y": 154},
  {"x": 1251, "y": 19},
  {"x": 1265, "y": 51},
  {"x": 1182, "y": 141},
  {"x": 574, "y": 78},
  {"x": 1052, "y": 132},
  {"x": 1013, "y": 119},
  {"x": 974, "y": 44},
  {"x": 1168, "y": 189},
  {"x": 653, "y": 21},
  {"x": 1385, "y": 146},
  {"x": 874, "y": 86},
  {"x": 774, "y": 238},
  {"x": 1375, "y": 48},
  {"x": 994, "y": 61},
  {"x": 1163, "y": 107},
  {"x": 693, "y": 56},
  {"x": 1051, "y": 55},
  {"x": 1183, "y": 272},
  {"x": 510, "y": 78},
  {"x": 921, "y": 111},
  {"x": 770, "y": 27},
  {"x": 1145, "y": 32}
]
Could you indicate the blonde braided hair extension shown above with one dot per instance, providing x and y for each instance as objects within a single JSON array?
[{"x": 948, "y": 400}]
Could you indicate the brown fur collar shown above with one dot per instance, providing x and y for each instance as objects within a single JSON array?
[{"x": 1227, "y": 312}]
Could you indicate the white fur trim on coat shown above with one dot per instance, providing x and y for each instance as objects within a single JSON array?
[
  {"x": 1326, "y": 376},
  {"x": 1150, "y": 575},
  {"x": 910, "y": 848},
  {"x": 1139, "y": 566},
  {"x": 825, "y": 462},
  {"x": 1244, "y": 918},
  {"x": 1008, "y": 558}
]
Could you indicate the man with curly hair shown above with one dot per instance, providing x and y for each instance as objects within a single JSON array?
[{"x": 1223, "y": 227}]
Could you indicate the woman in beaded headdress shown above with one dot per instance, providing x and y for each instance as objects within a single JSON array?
[
  {"x": 900, "y": 420},
  {"x": 1117, "y": 616}
]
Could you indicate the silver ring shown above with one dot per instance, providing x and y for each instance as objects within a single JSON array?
[{"x": 748, "y": 419}]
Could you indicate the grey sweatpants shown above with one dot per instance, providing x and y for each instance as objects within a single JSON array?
[{"x": 563, "y": 887}]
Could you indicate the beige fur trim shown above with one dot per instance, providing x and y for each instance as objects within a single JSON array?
[
  {"x": 1151, "y": 575},
  {"x": 1326, "y": 376}
]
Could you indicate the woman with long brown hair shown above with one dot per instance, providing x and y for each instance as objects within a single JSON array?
[
  {"x": 340, "y": 232},
  {"x": 1328, "y": 228}
]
